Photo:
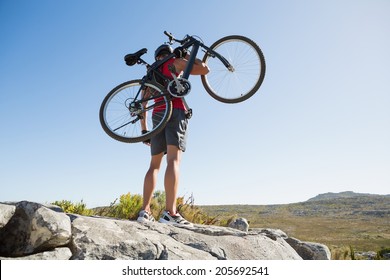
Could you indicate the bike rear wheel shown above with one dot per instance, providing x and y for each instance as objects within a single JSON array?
[
  {"x": 122, "y": 110},
  {"x": 241, "y": 82}
]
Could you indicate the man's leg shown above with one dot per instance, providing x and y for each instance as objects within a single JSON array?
[
  {"x": 150, "y": 180},
  {"x": 171, "y": 180}
]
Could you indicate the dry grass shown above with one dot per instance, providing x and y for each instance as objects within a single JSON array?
[{"x": 360, "y": 224}]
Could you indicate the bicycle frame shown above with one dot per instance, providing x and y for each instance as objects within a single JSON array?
[
  {"x": 186, "y": 43},
  {"x": 196, "y": 44},
  {"x": 139, "y": 109}
]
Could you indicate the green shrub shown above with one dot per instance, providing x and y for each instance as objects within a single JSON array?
[
  {"x": 79, "y": 208},
  {"x": 341, "y": 253},
  {"x": 157, "y": 206},
  {"x": 127, "y": 208},
  {"x": 352, "y": 253},
  {"x": 195, "y": 214}
]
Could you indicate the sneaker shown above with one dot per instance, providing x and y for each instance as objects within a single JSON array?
[
  {"x": 166, "y": 218},
  {"x": 145, "y": 216}
]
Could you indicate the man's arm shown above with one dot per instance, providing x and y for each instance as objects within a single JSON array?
[
  {"x": 145, "y": 94},
  {"x": 199, "y": 68}
]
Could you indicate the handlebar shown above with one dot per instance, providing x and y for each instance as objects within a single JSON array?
[
  {"x": 170, "y": 36},
  {"x": 172, "y": 39}
]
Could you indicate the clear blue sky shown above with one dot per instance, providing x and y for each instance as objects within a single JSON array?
[{"x": 319, "y": 123}]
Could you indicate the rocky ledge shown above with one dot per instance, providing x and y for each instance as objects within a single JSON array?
[{"x": 30, "y": 230}]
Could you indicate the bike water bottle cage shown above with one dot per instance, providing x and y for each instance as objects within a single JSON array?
[{"x": 133, "y": 58}]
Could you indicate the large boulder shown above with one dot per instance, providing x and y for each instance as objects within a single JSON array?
[
  {"x": 33, "y": 228},
  {"x": 239, "y": 223},
  {"x": 6, "y": 213},
  {"x": 102, "y": 238},
  {"x": 310, "y": 250}
]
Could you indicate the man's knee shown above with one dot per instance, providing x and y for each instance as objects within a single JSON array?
[
  {"x": 155, "y": 162},
  {"x": 173, "y": 151}
]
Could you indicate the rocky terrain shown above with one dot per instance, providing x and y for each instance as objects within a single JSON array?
[{"x": 31, "y": 230}]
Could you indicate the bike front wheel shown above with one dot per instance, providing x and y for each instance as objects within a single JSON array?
[
  {"x": 245, "y": 76},
  {"x": 128, "y": 105}
]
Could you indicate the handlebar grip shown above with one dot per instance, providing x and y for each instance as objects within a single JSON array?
[{"x": 170, "y": 36}]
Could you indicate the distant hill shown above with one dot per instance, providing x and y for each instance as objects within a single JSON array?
[
  {"x": 343, "y": 204},
  {"x": 337, "y": 219},
  {"x": 346, "y": 194}
]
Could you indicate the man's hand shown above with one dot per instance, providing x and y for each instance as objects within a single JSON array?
[
  {"x": 180, "y": 52},
  {"x": 146, "y": 142}
]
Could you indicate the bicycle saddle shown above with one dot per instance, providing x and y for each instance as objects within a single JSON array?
[{"x": 132, "y": 58}]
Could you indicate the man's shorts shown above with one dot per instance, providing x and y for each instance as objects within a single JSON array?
[{"x": 174, "y": 133}]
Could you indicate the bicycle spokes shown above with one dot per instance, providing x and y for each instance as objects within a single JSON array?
[
  {"x": 237, "y": 69},
  {"x": 129, "y": 109}
]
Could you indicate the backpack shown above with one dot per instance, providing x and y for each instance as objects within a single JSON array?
[{"x": 158, "y": 76}]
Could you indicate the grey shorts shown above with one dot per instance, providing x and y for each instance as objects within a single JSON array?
[{"x": 174, "y": 134}]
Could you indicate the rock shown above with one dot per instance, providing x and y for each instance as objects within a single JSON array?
[
  {"x": 63, "y": 253},
  {"x": 7, "y": 211},
  {"x": 240, "y": 224},
  {"x": 273, "y": 234},
  {"x": 33, "y": 231},
  {"x": 310, "y": 250},
  {"x": 33, "y": 228},
  {"x": 386, "y": 256},
  {"x": 102, "y": 238},
  {"x": 370, "y": 255}
]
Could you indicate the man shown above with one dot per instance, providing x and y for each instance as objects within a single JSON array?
[{"x": 171, "y": 141}]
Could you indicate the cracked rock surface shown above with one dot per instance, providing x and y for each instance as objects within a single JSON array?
[
  {"x": 32, "y": 231},
  {"x": 98, "y": 238}
]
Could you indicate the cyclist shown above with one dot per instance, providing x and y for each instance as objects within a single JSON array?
[{"x": 171, "y": 141}]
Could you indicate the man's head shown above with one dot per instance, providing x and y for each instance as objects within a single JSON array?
[{"x": 162, "y": 50}]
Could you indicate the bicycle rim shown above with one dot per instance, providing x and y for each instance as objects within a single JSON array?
[
  {"x": 248, "y": 63},
  {"x": 121, "y": 111}
]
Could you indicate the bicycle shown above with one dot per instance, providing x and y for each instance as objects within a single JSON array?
[{"x": 237, "y": 70}]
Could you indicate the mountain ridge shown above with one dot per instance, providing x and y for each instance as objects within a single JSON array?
[
  {"x": 328, "y": 204},
  {"x": 318, "y": 198},
  {"x": 344, "y": 194}
]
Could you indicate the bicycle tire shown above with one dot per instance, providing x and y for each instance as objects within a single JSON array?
[
  {"x": 120, "y": 123},
  {"x": 249, "y": 69}
]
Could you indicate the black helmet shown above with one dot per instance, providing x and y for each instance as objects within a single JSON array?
[{"x": 163, "y": 49}]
